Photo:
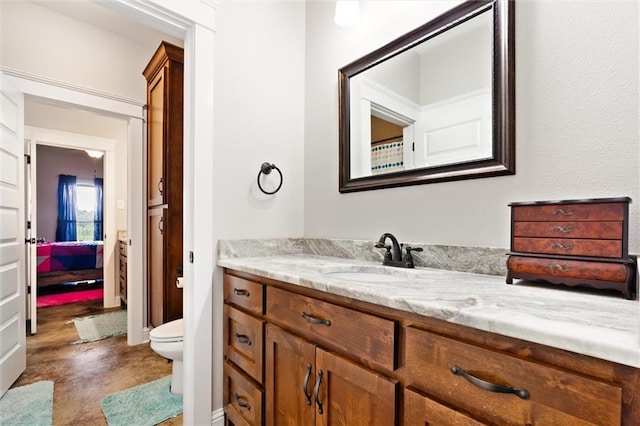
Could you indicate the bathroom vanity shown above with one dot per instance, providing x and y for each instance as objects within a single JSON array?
[{"x": 320, "y": 340}]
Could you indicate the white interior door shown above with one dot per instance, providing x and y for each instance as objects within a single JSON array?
[{"x": 13, "y": 348}]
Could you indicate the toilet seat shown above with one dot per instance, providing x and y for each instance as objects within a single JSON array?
[{"x": 172, "y": 331}]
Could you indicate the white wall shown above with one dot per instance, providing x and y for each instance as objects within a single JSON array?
[
  {"x": 259, "y": 103},
  {"x": 577, "y": 124},
  {"x": 42, "y": 42},
  {"x": 52, "y": 162}
]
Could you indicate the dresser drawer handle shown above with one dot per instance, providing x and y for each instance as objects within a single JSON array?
[
  {"x": 240, "y": 292},
  {"x": 488, "y": 386},
  {"x": 562, "y": 229},
  {"x": 242, "y": 338},
  {"x": 313, "y": 320},
  {"x": 563, "y": 212},
  {"x": 560, "y": 268},
  {"x": 242, "y": 402},
  {"x": 562, "y": 246}
]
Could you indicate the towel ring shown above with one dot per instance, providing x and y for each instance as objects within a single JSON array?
[{"x": 266, "y": 169}]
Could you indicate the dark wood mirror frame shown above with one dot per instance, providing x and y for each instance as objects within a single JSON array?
[{"x": 502, "y": 161}]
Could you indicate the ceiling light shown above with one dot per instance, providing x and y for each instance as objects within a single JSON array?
[
  {"x": 347, "y": 13},
  {"x": 94, "y": 154}
]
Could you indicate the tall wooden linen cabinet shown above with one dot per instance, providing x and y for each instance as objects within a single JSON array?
[{"x": 165, "y": 76}]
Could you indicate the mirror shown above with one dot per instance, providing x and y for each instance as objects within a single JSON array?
[{"x": 437, "y": 104}]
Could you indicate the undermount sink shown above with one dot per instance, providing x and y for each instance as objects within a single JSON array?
[{"x": 364, "y": 276}]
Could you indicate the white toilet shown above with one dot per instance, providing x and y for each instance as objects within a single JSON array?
[{"x": 167, "y": 341}]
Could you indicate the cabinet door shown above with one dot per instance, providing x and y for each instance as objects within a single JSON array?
[
  {"x": 155, "y": 274},
  {"x": 420, "y": 410},
  {"x": 289, "y": 380},
  {"x": 348, "y": 394},
  {"x": 155, "y": 157}
]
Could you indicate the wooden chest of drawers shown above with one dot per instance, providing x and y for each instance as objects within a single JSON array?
[{"x": 574, "y": 242}]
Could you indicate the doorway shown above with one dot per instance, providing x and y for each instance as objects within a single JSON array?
[{"x": 68, "y": 144}]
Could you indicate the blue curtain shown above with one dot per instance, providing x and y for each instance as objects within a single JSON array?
[
  {"x": 97, "y": 217},
  {"x": 67, "y": 199}
]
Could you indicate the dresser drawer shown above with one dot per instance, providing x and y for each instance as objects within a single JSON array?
[
  {"x": 603, "y": 271},
  {"x": 599, "y": 230},
  {"x": 243, "y": 400},
  {"x": 244, "y": 293},
  {"x": 548, "y": 396},
  {"x": 569, "y": 247},
  {"x": 244, "y": 341},
  {"x": 353, "y": 332},
  {"x": 420, "y": 410},
  {"x": 570, "y": 212}
]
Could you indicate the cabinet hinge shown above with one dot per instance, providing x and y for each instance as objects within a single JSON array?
[
  {"x": 190, "y": 257},
  {"x": 413, "y": 146},
  {"x": 28, "y": 224},
  {"x": 28, "y": 158}
]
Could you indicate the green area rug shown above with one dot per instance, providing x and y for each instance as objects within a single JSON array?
[
  {"x": 98, "y": 327},
  {"x": 143, "y": 405},
  {"x": 30, "y": 405}
]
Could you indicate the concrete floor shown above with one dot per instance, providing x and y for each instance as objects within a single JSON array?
[{"x": 83, "y": 374}]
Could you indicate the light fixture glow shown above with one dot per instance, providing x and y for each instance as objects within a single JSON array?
[
  {"x": 347, "y": 13},
  {"x": 94, "y": 154}
]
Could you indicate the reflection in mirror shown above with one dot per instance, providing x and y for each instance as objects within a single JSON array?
[{"x": 436, "y": 104}]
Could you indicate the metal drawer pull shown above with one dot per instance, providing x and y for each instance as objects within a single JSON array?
[
  {"x": 563, "y": 212},
  {"x": 560, "y": 268},
  {"x": 313, "y": 320},
  {"x": 306, "y": 384},
  {"x": 562, "y": 229},
  {"x": 488, "y": 386},
  {"x": 242, "y": 338},
  {"x": 240, "y": 292},
  {"x": 562, "y": 246},
  {"x": 316, "y": 391},
  {"x": 242, "y": 402}
]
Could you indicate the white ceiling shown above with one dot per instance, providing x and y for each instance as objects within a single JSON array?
[{"x": 94, "y": 13}]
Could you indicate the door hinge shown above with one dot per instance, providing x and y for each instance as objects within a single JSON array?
[
  {"x": 30, "y": 240},
  {"x": 28, "y": 224},
  {"x": 413, "y": 146},
  {"x": 190, "y": 257},
  {"x": 28, "y": 158}
]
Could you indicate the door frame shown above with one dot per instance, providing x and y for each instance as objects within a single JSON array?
[
  {"x": 195, "y": 22},
  {"x": 40, "y": 136}
]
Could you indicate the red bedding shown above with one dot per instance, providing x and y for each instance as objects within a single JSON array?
[{"x": 69, "y": 256}]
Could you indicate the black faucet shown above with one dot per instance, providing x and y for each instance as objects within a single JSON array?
[{"x": 393, "y": 256}]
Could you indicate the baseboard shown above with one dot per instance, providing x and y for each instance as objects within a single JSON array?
[{"x": 217, "y": 417}]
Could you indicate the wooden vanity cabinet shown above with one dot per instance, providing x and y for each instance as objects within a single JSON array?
[
  {"x": 366, "y": 364},
  {"x": 165, "y": 79},
  {"x": 574, "y": 242}
]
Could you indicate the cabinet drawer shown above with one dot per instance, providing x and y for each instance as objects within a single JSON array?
[
  {"x": 243, "y": 400},
  {"x": 599, "y": 230},
  {"x": 420, "y": 410},
  {"x": 603, "y": 271},
  {"x": 570, "y": 212},
  {"x": 243, "y": 341},
  {"x": 553, "y": 396},
  {"x": 355, "y": 333},
  {"x": 244, "y": 293},
  {"x": 569, "y": 247}
]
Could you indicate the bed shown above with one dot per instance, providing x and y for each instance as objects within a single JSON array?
[{"x": 69, "y": 261}]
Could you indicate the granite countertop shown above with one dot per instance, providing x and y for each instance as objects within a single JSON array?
[{"x": 603, "y": 326}]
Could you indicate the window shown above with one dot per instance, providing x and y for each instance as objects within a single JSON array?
[{"x": 85, "y": 211}]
